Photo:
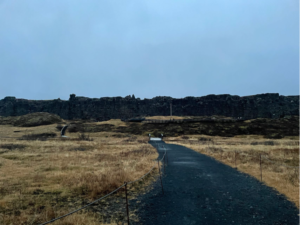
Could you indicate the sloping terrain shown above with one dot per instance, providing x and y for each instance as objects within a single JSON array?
[
  {"x": 43, "y": 177},
  {"x": 270, "y": 128},
  {"x": 31, "y": 120}
]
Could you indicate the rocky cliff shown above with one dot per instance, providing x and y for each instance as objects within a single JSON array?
[{"x": 248, "y": 107}]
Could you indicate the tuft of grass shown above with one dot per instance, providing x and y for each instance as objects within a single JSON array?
[
  {"x": 263, "y": 143},
  {"x": 59, "y": 126},
  {"x": 131, "y": 139},
  {"x": 12, "y": 146},
  {"x": 204, "y": 139},
  {"x": 84, "y": 137},
  {"x": 185, "y": 137},
  {"x": 38, "y": 137},
  {"x": 11, "y": 157}
]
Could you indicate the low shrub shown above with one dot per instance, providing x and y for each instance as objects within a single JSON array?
[
  {"x": 78, "y": 127},
  {"x": 12, "y": 146},
  {"x": 204, "y": 139},
  {"x": 118, "y": 135},
  {"x": 263, "y": 143},
  {"x": 274, "y": 136},
  {"x": 73, "y": 128},
  {"x": 130, "y": 139},
  {"x": 39, "y": 137},
  {"x": 59, "y": 126},
  {"x": 84, "y": 137}
]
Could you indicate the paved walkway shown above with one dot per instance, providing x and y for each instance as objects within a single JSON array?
[{"x": 200, "y": 190}]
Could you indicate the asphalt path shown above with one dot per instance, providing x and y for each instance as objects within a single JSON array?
[{"x": 200, "y": 190}]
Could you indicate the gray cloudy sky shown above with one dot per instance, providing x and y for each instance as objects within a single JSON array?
[{"x": 94, "y": 48}]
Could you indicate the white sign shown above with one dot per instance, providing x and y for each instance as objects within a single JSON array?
[{"x": 155, "y": 139}]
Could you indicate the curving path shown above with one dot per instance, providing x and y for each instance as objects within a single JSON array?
[{"x": 200, "y": 190}]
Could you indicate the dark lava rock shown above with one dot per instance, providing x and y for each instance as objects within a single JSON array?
[{"x": 100, "y": 109}]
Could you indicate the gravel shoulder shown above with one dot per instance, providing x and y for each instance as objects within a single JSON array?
[{"x": 201, "y": 190}]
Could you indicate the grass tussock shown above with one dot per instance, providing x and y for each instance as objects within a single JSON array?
[
  {"x": 38, "y": 137},
  {"x": 12, "y": 146},
  {"x": 280, "y": 158},
  {"x": 43, "y": 178},
  {"x": 84, "y": 137}
]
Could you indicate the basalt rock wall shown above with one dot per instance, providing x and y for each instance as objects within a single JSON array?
[{"x": 247, "y": 107}]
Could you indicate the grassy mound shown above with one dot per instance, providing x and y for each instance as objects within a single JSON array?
[
  {"x": 36, "y": 119},
  {"x": 9, "y": 120},
  {"x": 33, "y": 119}
]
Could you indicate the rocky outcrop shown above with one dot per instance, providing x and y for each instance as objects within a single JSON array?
[{"x": 248, "y": 107}]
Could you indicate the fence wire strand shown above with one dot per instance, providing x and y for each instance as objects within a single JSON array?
[
  {"x": 279, "y": 163},
  {"x": 264, "y": 158},
  {"x": 51, "y": 221},
  {"x": 141, "y": 176},
  {"x": 149, "y": 170}
]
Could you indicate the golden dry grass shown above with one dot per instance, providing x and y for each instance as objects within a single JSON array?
[
  {"x": 247, "y": 150},
  {"x": 165, "y": 117},
  {"x": 40, "y": 179},
  {"x": 115, "y": 122},
  {"x": 8, "y": 130}
]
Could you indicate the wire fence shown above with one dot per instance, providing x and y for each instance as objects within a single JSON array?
[
  {"x": 114, "y": 191},
  {"x": 255, "y": 157},
  {"x": 258, "y": 157},
  {"x": 279, "y": 163},
  {"x": 163, "y": 160}
]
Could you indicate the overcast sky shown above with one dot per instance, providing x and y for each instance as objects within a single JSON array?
[{"x": 52, "y": 48}]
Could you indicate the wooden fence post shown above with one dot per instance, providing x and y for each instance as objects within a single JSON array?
[
  {"x": 235, "y": 159},
  {"x": 127, "y": 203},
  {"x": 260, "y": 168},
  {"x": 167, "y": 157},
  {"x": 162, "y": 188},
  {"x": 164, "y": 163}
]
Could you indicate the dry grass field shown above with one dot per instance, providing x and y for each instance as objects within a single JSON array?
[
  {"x": 115, "y": 122},
  {"x": 243, "y": 152},
  {"x": 166, "y": 117},
  {"x": 43, "y": 179}
]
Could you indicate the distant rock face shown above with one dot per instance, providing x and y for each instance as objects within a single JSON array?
[{"x": 248, "y": 107}]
